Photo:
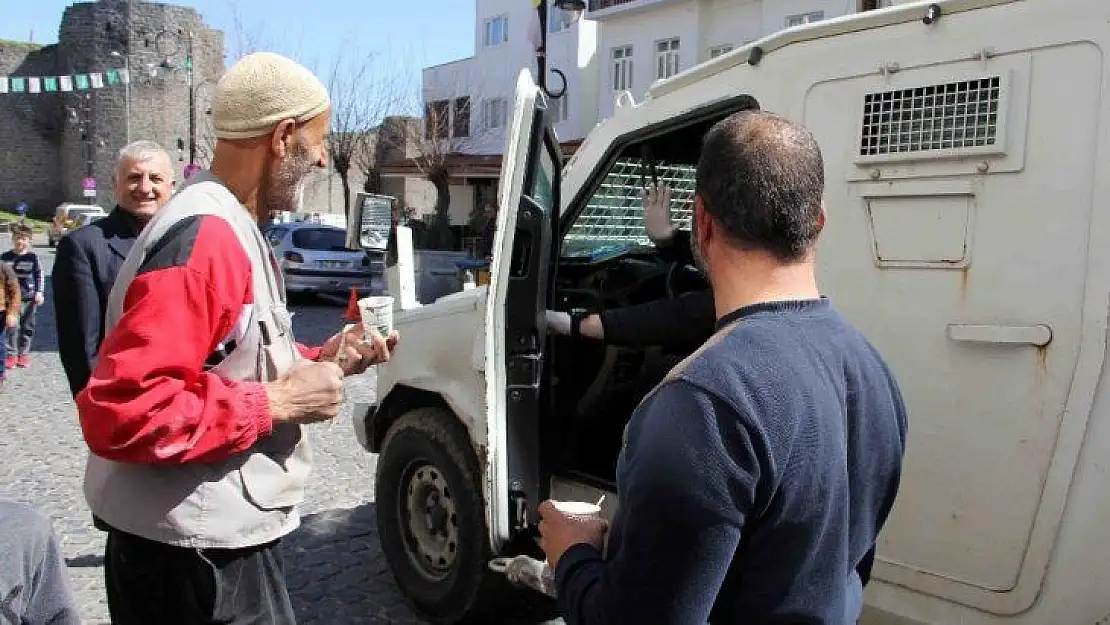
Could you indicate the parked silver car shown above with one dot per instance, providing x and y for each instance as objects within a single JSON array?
[{"x": 315, "y": 259}]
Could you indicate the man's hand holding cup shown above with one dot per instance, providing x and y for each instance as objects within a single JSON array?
[
  {"x": 565, "y": 524},
  {"x": 354, "y": 349}
]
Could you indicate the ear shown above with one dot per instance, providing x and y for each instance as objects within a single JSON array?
[
  {"x": 704, "y": 220},
  {"x": 282, "y": 137},
  {"x": 821, "y": 217}
]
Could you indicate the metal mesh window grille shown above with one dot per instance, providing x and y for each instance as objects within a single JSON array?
[
  {"x": 615, "y": 213},
  {"x": 951, "y": 116}
]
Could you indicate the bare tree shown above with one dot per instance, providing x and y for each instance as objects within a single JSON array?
[
  {"x": 368, "y": 160},
  {"x": 446, "y": 130},
  {"x": 362, "y": 94}
]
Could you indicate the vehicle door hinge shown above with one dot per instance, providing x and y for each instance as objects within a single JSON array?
[
  {"x": 523, "y": 370},
  {"x": 518, "y": 507}
]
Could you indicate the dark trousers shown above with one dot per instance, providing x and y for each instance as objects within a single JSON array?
[
  {"x": 19, "y": 337},
  {"x": 150, "y": 582},
  {"x": 4, "y": 342}
]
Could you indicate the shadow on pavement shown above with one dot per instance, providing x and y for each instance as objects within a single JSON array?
[
  {"x": 337, "y": 573},
  {"x": 46, "y": 327}
]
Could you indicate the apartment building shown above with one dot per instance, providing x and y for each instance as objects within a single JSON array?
[
  {"x": 617, "y": 46},
  {"x": 642, "y": 41},
  {"x": 468, "y": 103}
]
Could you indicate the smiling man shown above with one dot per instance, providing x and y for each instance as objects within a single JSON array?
[{"x": 89, "y": 258}]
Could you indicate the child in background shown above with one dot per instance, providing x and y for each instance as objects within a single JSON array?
[
  {"x": 32, "y": 282},
  {"x": 9, "y": 310}
]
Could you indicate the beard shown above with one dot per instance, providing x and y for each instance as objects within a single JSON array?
[{"x": 285, "y": 187}]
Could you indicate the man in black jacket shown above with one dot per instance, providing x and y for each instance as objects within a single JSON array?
[
  {"x": 680, "y": 324},
  {"x": 88, "y": 259}
]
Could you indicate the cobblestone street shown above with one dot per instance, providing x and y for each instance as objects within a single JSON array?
[{"x": 336, "y": 571}]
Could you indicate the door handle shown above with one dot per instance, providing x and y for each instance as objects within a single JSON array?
[{"x": 1038, "y": 335}]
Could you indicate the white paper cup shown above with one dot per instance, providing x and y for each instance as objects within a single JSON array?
[
  {"x": 577, "y": 508},
  {"x": 377, "y": 312}
]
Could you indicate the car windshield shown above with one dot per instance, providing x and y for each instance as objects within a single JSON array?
[
  {"x": 613, "y": 220},
  {"x": 320, "y": 239}
]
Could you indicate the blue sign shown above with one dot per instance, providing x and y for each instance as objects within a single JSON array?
[{"x": 21, "y": 208}]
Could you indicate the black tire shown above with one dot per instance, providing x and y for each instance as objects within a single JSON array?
[{"x": 429, "y": 445}]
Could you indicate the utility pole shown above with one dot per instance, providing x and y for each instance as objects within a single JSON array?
[
  {"x": 126, "y": 91},
  {"x": 192, "y": 103},
  {"x": 574, "y": 8},
  {"x": 84, "y": 126},
  {"x": 541, "y": 54}
]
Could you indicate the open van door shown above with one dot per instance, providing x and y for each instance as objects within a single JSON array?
[{"x": 515, "y": 329}]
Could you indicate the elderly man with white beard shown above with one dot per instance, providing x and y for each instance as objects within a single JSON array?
[{"x": 195, "y": 409}]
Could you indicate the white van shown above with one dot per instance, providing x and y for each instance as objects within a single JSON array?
[{"x": 966, "y": 146}]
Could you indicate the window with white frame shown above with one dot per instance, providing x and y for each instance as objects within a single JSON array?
[
  {"x": 494, "y": 113},
  {"x": 622, "y": 68},
  {"x": 666, "y": 58},
  {"x": 558, "y": 20},
  {"x": 496, "y": 31},
  {"x": 804, "y": 18},
  {"x": 717, "y": 51},
  {"x": 559, "y": 109}
]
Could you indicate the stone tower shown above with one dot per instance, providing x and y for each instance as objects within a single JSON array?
[{"x": 173, "y": 59}]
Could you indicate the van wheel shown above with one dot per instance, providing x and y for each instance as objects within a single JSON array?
[{"x": 431, "y": 518}]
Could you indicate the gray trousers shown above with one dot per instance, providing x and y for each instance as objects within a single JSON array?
[{"x": 34, "y": 587}]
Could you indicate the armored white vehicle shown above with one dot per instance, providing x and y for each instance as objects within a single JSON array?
[{"x": 967, "y": 148}]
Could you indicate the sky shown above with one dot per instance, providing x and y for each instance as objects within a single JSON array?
[{"x": 402, "y": 36}]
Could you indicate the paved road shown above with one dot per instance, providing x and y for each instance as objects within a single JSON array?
[{"x": 336, "y": 570}]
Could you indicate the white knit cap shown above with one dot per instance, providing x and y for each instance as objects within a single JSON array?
[{"x": 262, "y": 89}]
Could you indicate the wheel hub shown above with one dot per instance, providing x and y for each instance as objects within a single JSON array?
[{"x": 430, "y": 517}]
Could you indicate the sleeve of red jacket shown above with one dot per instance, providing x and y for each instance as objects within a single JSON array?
[
  {"x": 310, "y": 353},
  {"x": 149, "y": 399}
]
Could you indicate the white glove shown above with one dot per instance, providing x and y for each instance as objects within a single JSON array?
[
  {"x": 657, "y": 213},
  {"x": 558, "y": 322}
]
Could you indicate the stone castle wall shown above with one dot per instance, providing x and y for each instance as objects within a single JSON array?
[
  {"x": 29, "y": 130},
  {"x": 48, "y": 156}
]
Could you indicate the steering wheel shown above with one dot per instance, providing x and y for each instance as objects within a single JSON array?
[{"x": 674, "y": 271}]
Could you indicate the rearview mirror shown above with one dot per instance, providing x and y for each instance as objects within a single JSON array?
[{"x": 368, "y": 228}]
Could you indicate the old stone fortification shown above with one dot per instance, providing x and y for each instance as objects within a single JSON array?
[{"x": 43, "y": 152}]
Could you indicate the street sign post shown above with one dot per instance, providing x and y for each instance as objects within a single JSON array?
[{"x": 88, "y": 186}]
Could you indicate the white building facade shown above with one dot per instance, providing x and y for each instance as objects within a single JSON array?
[
  {"x": 479, "y": 90},
  {"x": 617, "y": 46},
  {"x": 642, "y": 41},
  {"x": 475, "y": 95}
]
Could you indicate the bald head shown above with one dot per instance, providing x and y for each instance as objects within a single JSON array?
[{"x": 761, "y": 178}]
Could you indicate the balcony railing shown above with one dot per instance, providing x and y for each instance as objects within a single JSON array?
[{"x": 600, "y": 5}]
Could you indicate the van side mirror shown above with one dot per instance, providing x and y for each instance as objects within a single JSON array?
[{"x": 369, "y": 225}]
